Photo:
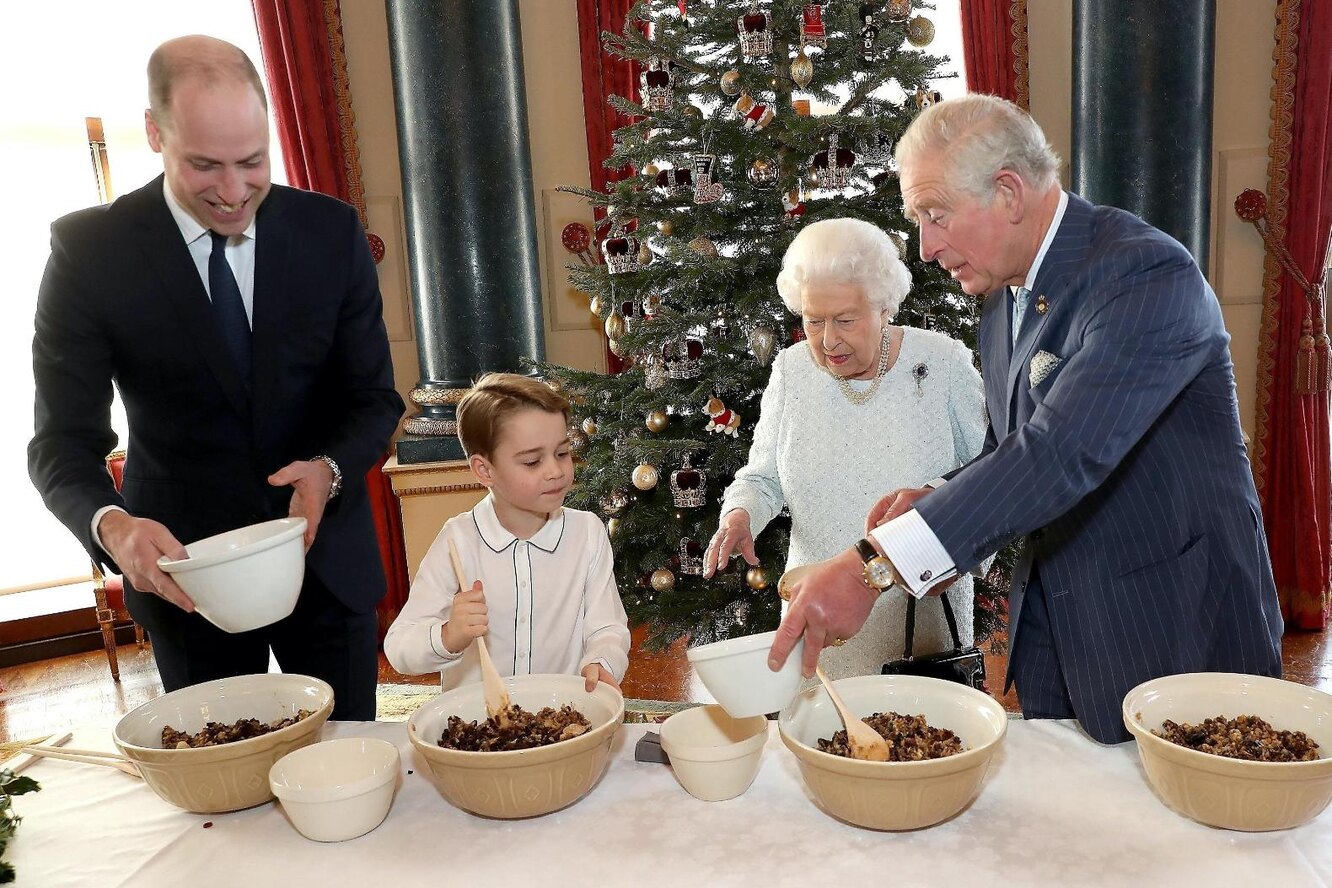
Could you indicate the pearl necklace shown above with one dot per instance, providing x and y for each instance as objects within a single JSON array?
[{"x": 862, "y": 398}]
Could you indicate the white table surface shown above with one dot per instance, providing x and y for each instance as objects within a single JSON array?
[{"x": 1055, "y": 809}]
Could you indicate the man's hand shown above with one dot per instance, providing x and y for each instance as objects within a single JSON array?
[
  {"x": 595, "y": 672},
  {"x": 135, "y": 544},
  {"x": 468, "y": 619},
  {"x": 732, "y": 536},
  {"x": 896, "y": 503},
  {"x": 310, "y": 480},
  {"x": 829, "y": 602}
]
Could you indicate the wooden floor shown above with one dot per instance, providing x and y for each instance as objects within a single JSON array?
[{"x": 52, "y": 695}]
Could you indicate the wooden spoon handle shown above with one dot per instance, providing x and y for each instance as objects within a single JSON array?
[{"x": 497, "y": 697}]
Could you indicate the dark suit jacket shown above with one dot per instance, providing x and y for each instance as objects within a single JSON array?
[
  {"x": 122, "y": 299},
  {"x": 1124, "y": 469}
]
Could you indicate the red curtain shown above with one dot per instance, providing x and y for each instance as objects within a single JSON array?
[
  {"x": 994, "y": 48},
  {"x": 604, "y": 75},
  {"x": 306, "y": 65},
  {"x": 1291, "y": 459}
]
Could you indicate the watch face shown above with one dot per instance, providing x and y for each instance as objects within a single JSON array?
[{"x": 879, "y": 573}]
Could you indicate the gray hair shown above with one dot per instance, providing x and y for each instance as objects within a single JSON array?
[
  {"x": 844, "y": 251},
  {"x": 981, "y": 135}
]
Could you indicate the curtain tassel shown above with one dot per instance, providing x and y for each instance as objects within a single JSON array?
[
  {"x": 1322, "y": 375},
  {"x": 1305, "y": 362}
]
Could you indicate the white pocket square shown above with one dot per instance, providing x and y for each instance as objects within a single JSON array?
[{"x": 1043, "y": 363}]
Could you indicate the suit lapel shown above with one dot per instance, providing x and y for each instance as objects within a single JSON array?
[
  {"x": 271, "y": 298},
  {"x": 170, "y": 260}
]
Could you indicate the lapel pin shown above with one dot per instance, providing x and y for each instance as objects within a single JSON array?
[{"x": 1041, "y": 305}]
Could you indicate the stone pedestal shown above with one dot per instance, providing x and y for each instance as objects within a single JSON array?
[{"x": 430, "y": 493}]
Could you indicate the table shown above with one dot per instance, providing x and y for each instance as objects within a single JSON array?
[{"x": 1056, "y": 809}]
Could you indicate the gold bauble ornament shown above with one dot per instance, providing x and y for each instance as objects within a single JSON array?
[
  {"x": 704, "y": 247},
  {"x": 651, "y": 170},
  {"x": 730, "y": 83},
  {"x": 920, "y": 31},
  {"x": 666, "y": 227},
  {"x": 589, "y": 426},
  {"x": 615, "y": 326},
  {"x": 645, "y": 477},
  {"x": 756, "y": 578},
  {"x": 656, "y": 421},
  {"x": 762, "y": 173},
  {"x": 615, "y": 348},
  {"x": 644, "y": 254},
  {"x": 802, "y": 70},
  {"x": 662, "y": 580},
  {"x": 613, "y": 528},
  {"x": 595, "y": 305}
]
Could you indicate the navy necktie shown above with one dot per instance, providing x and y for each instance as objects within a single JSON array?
[{"x": 227, "y": 305}]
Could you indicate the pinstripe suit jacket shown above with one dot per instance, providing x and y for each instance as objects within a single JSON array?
[{"x": 1124, "y": 469}]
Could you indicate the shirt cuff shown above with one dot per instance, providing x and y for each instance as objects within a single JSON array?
[
  {"x": 434, "y": 630},
  {"x": 915, "y": 551},
  {"x": 937, "y": 482},
  {"x": 97, "y": 519}
]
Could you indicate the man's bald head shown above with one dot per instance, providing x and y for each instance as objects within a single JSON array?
[{"x": 210, "y": 61}]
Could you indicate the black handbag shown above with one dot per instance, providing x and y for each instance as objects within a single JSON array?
[{"x": 963, "y": 665}]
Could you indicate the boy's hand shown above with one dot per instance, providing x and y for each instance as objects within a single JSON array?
[
  {"x": 595, "y": 672},
  {"x": 468, "y": 620}
]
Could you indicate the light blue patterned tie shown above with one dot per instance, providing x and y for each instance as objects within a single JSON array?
[{"x": 1019, "y": 309}]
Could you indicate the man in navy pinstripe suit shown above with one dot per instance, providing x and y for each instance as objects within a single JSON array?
[{"x": 1114, "y": 449}]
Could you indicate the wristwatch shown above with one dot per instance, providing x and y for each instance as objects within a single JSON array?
[
  {"x": 878, "y": 572},
  {"x": 336, "y": 486}
]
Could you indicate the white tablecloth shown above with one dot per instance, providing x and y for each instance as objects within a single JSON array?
[{"x": 1056, "y": 809}]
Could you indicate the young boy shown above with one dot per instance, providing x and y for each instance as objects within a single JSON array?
[{"x": 543, "y": 592}]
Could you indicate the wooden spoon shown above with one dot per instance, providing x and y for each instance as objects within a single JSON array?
[
  {"x": 85, "y": 756},
  {"x": 865, "y": 742},
  {"x": 497, "y": 696}
]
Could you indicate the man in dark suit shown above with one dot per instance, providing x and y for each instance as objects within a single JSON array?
[
  {"x": 242, "y": 323},
  {"x": 1114, "y": 448}
]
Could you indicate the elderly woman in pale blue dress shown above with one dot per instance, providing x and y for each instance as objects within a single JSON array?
[{"x": 860, "y": 407}]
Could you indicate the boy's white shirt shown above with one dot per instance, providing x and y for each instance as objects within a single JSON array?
[{"x": 552, "y": 601}]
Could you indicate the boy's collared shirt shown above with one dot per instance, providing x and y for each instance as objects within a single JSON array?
[{"x": 551, "y": 599}]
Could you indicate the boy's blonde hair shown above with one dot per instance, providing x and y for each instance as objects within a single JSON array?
[{"x": 494, "y": 398}]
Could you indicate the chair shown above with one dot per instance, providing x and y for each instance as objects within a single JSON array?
[{"x": 109, "y": 591}]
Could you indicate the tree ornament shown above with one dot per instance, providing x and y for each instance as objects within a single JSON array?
[
  {"x": 812, "y": 32},
  {"x": 920, "y": 32},
  {"x": 595, "y": 305},
  {"x": 658, "y": 83},
  {"x": 704, "y": 247},
  {"x": 657, "y": 421},
  {"x": 899, "y": 10},
  {"x": 616, "y": 348},
  {"x": 730, "y": 83},
  {"x": 755, "y": 30},
  {"x": 927, "y": 97},
  {"x": 662, "y": 580},
  {"x": 756, "y": 115},
  {"x": 802, "y": 69},
  {"x": 644, "y": 254},
  {"x": 793, "y": 206},
  {"x": 651, "y": 306},
  {"x": 590, "y": 426},
  {"x": 706, "y": 191},
  {"x": 869, "y": 34},
  {"x": 621, "y": 252},
  {"x": 683, "y": 358},
  {"x": 756, "y": 578},
  {"x": 614, "y": 502},
  {"x": 689, "y": 486},
  {"x": 833, "y": 166},
  {"x": 762, "y": 173},
  {"x": 675, "y": 180},
  {"x": 666, "y": 227},
  {"x": 723, "y": 420},
  {"x": 613, "y": 528},
  {"x": 645, "y": 477},
  {"x": 691, "y": 554},
  {"x": 692, "y": 111},
  {"x": 762, "y": 342},
  {"x": 654, "y": 375},
  {"x": 615, "y": 325},
  {"x": 577, "y": 440},
  {"x": 651, "y": 170}
]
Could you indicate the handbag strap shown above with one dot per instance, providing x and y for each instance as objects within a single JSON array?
[{"x": 911, "y": 623}]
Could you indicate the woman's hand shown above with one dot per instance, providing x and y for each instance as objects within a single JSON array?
[
  {"x": 732, "y": 536},
  {"x": 468, "y": 619}
]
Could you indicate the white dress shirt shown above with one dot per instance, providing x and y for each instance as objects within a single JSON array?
[
  {"x": 240, "y": 256},
  {"x": 907, "y": 540},
  {"x": 551, "y": 600}
]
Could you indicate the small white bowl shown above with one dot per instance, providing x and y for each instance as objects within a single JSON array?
[
  {"x": 245, "y": 578},
  {"x": 714, "y": 756},
  {"x": 735, "y": 671},
  {"x": 339, "y": 789}
]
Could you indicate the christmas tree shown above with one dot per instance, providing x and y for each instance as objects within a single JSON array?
[{"x": 730, "y": 163}]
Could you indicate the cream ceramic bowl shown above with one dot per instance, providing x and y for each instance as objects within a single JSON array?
[
  {"x": 521, "y": 782},
  {"x": 714, "y": 756},
  {"x": 1224, "y": 792},
  {"x": 735, "y": 671},
  {"x": 339, "y": 789},
  {"x": 895, "y": 795},
  {"x": 245, "y": 578},
  {"x": 212, "y": 779}
]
